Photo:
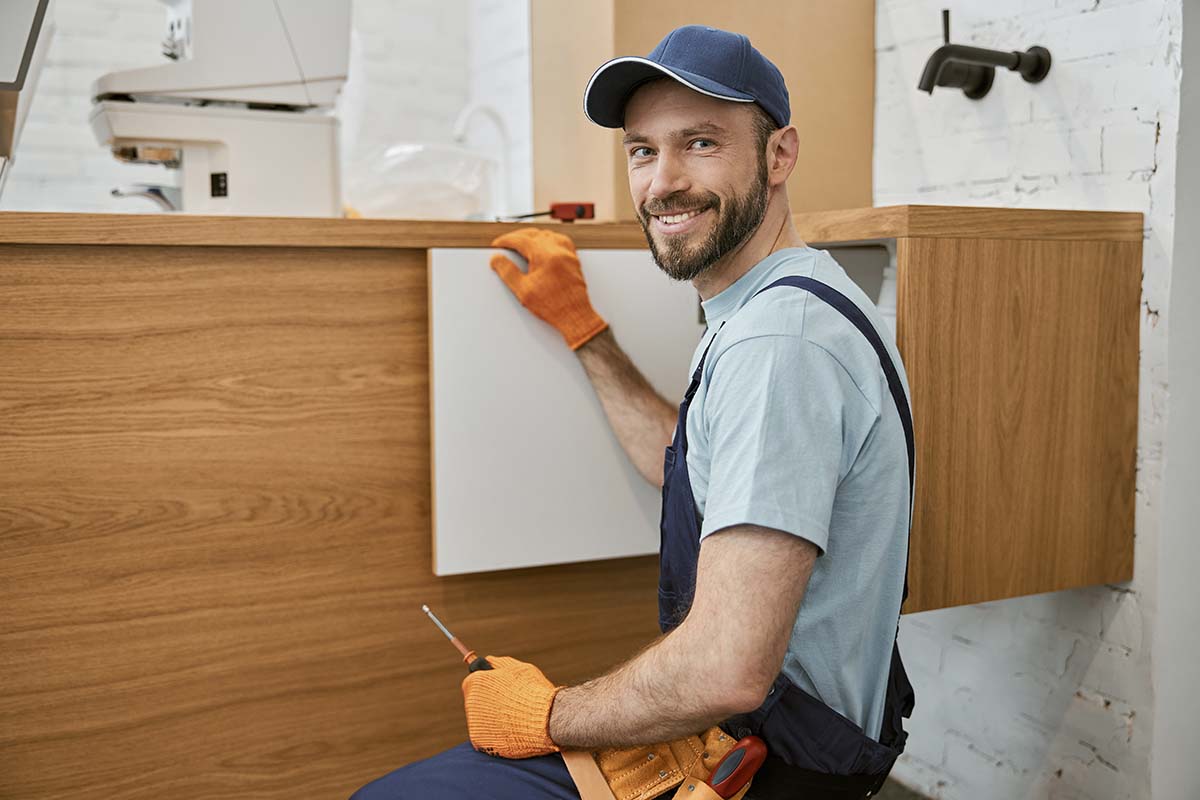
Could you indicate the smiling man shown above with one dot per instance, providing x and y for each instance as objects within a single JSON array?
[
  {"x": 729, "y": 162},
  {"x": 786, "y": 476}
]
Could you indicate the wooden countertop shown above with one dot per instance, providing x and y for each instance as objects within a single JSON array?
[{"x": 857, "y": 224}]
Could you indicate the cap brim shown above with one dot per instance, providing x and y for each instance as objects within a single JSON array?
[{"x": 607, "y": 92}]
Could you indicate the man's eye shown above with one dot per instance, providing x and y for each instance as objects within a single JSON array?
[
  {"x": 634, "y": 152},
  {"x": 705, "y": 141}
]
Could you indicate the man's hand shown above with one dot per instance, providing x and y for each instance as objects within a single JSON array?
[
  {"x": 508, "y": 709},
  {"x": 553, "y": 288}
]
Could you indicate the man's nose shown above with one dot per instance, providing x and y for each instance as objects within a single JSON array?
[{"x": 669, "y": 178}]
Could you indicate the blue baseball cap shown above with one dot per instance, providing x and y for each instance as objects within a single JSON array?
[{"x": 709, "y": 60}]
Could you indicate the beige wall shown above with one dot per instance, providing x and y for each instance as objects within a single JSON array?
[
  {"x": 572, "y": 158},
  {"x": 824, "y": 50}
]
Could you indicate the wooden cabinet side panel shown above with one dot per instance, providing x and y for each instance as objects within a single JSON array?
[
  {"x": 215, "y": 530},
  {"x": 1022, "y": 356}
]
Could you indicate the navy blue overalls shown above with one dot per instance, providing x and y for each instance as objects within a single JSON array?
[{"x": 814, "y": 752}]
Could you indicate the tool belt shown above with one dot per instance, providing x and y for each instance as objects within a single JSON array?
[
  {"x": 646, "y": 771},
  {"x": 649, "y": 771},
  {"x": 813, "y": 752}
]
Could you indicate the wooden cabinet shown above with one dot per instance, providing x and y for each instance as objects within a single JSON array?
[
  {"x": 215, "y": 502},
  {"x": 1019, "y": 332}
]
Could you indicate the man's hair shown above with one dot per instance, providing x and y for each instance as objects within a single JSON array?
[{"x": 764, "y": 126}]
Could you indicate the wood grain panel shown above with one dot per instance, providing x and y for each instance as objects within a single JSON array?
[
  {"x": 215, "y": 531},
  {"x": 40, "y": 227},
  {"x": 959, "y": 222},
  {"x": 1023, "y": 223},
  {"x": 1023, "y": 362},
  {"x": 845, "y": 225}
]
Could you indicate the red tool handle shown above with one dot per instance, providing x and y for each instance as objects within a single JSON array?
[
  {"x": 738, "y": 766},
  {"x": 569, "y": 212}
]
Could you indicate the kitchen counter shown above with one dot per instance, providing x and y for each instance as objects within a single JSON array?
[
  {"x": 216, "y": 497},
  {"x": 888, "y": 222}
]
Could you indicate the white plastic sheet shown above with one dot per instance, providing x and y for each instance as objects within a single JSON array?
[{"x": 421, "y": 180}]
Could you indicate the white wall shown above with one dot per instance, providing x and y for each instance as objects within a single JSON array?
[
  {"x": 499, "y": 64},
  {"x": 57, "y": 165},
  {"x": 408, "y": 81},
  {"x": 409, "y": 72},
  {"x": 1176, "y": 769},
  {"x": 1051, "y": 695}
]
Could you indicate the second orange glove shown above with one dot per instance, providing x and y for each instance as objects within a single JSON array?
[
  {"x": 553, "y": 288},
  {"x": 508, "y": 709}
]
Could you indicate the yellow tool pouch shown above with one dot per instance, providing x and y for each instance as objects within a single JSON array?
[{"x": 645, "y": 771}]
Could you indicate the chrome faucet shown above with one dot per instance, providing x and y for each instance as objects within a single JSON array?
[{"x": 167, "y": 198}]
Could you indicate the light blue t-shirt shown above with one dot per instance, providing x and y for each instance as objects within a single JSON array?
[{"x": 793, "y": 427}]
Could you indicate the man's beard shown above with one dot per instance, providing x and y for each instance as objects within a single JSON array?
[{"x": 683, "y": 261}]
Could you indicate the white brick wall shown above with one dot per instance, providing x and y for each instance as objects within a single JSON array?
[
  {"x": 58, "y": 165},
  {"x": 1045, "y": 696}
]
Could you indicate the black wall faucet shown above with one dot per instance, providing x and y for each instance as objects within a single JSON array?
[{"x": 973, "y": 69}]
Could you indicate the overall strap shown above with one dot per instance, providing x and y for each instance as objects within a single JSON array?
[
  {"x": 850, "y": 310},
  {"x": 700, "y": 366}
]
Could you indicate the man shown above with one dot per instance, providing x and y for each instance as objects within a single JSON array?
[{"x": 786, "y": 485}]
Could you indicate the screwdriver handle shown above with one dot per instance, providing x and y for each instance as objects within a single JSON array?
[{"x": 476, "y": 663}]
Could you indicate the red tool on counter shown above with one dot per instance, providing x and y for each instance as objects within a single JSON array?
[{"x": 566, "y": 212}]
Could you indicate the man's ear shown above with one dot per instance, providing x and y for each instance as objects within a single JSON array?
[{"x": 783, "y": 148}]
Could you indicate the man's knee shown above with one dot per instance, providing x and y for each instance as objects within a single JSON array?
[
  {"x": 421, "y": 779},
  {"x": 462, "y": 772},
  {"x": 380, "y": 789}
]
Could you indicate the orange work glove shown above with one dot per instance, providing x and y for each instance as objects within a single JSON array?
[
  {"x": 553, "y": 288},
  {"x": 508, "y": 709}
]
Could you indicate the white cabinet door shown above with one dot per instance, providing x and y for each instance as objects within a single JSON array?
[{"x": 526, "y": 470}]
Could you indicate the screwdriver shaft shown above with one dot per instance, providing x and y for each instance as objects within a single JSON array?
[
  {"x": 437, "y": 622},
  {"x": 467, "y": 654}
]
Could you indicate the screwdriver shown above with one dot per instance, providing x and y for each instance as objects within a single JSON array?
[{"x": 475, "y": 662}]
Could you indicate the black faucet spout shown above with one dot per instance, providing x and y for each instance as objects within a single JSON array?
[
  {"x": 973, "y": 68},
  {"x": 965, "y": 55}
]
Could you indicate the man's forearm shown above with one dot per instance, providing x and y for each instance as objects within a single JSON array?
[
  {"x": 660, "y": 694},
  {"x": 642, "y": 420}
]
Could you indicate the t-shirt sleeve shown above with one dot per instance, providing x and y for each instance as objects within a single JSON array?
[{"x": 783, "y": 419}]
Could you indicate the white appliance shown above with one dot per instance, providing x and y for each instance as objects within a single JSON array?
[
  {"x": 26, "y": 27},
  {"x": 244, "y": 111}
]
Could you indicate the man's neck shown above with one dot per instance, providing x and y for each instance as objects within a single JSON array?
[{"x": 774, "y": 233}]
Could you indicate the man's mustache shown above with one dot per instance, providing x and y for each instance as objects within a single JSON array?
[{"x": 679, "y": 207}]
